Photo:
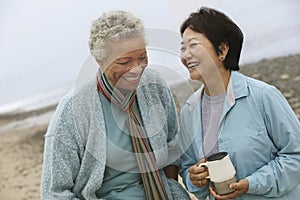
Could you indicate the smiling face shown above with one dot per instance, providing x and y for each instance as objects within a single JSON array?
[
  {"x": 125, "y": 63},
  {"x": 199, "y": 55}
]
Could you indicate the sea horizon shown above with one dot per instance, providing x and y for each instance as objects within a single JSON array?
[{"x": 52, "y": 96}]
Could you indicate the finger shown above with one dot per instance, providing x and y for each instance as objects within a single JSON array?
[
  {"x": 242, "y": 184},
  {"x": 201, "y": 168},
  {"x": 235, "y": 186},
  {"x": 200, "y": 183},
  {"x": 199, "y": 176},
  {"x": 195, "y": 169},
  {"x": 202, "y": 160},
  {"x": 196, "y": 177},
  {"x": 197, "y": 184},
  {"x": 232, "y": 195},
  {"x": 204, "y": 182},
  {"x": 215, "y": 195},
  {"x": 212, "y": 191}
]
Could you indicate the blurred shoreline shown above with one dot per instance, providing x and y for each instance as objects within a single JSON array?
[{"x": 22, "y": 131}]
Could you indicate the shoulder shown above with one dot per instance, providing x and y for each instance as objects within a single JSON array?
[
  {"x": 77, "y": 97},
  {"x": 261, "y": 88},
  {"x": 62, "y": 125},
  {"x": 192, "y": 101},
  {"x": 264, "y": 96},
  {"x": 152, "y": 76},
  {"x": 240, "y": 81},
  {"x": 75, "y": 105},
  {"x": 191, "y": 108},
  {"x": 64, "y": 107},
  {"x": 153, "y": 83},
  {"x": 85, "y": 88},
  {"x": 243, "y": 84},
  {"x": 257, "y": 84}
]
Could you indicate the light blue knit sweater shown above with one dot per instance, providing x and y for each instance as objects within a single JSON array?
[{"x": 75, "y": 144}]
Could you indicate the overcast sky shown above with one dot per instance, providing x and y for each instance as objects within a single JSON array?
[{"x": 43, "y": 43}]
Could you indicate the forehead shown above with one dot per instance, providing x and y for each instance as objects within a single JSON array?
[
  {"x": 189, "y": 35},
  {"x": 126, "y": 46}
]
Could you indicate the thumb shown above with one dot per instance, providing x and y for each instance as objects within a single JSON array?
[
  {"x": 243, "y": 183},
  {"x": 234, "y": 185}
]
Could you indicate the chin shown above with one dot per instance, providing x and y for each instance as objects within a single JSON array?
[{"x": 195, "y": 77}]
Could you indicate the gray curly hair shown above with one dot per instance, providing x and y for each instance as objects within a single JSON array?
[{"x": 112, "y": 26}]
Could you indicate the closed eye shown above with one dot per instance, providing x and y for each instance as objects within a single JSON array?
[
  {"x": 182, "y": 49},
  {"x": 193, "y": 45},
  {"x": 123, "y": 63},
  {"x": 143, "y": 58}
]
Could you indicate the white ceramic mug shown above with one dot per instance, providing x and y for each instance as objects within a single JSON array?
[{"x": 221, "y": 172}]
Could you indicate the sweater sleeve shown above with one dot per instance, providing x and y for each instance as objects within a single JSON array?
[
  {"x": 172, "y": 121},
  {"x": 61, "y": 157}
]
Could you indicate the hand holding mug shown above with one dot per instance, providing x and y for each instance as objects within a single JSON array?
[
  {"x": 221, "y": 172},
  {"x": 198, "y": 174},
  {"x": 240, "y": 188}
]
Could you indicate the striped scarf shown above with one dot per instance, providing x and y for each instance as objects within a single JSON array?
[{"x": 152, "y": 182}]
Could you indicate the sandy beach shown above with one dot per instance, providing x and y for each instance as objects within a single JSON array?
[{"x": 22, "y": 133}]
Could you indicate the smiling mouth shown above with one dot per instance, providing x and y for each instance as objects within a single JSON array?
[
  {"x": 192, "y": 65},
  {"x": 131, "y": 78}
]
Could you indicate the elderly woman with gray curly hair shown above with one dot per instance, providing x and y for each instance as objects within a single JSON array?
[{"x": 114, "y": 136}]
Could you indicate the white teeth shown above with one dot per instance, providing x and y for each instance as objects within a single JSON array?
[
  {"x": 131, "y": 78},
  {"x": 192, "y": 64}
]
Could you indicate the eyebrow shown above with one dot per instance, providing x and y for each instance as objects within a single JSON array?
[
  {"x": 189, "y": 40},
  {"x": 129, "y": 57}
]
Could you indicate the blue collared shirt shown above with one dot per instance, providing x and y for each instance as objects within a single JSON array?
[{"x": 260, "y": 132}]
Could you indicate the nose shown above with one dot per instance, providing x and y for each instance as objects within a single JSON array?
[
  {"x": 137, "y": 69},
  {"x": 186, "y": 54},
  {"x": 139, "y": 64}
]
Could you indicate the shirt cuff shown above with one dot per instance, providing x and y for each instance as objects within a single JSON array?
[{"x": 253, "y": 186}]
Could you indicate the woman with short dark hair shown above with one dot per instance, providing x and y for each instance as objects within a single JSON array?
[{"x": 247, "y": 118}]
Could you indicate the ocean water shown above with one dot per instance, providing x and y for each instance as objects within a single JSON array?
[{"x": 44, "y": 50}]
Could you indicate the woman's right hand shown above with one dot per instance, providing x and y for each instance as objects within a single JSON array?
[{"x": 198, "y": 174}]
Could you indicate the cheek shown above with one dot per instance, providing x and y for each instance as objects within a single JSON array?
[
  {"x": 202, "y": 52},
  {"x": 183, "y": 61},
  {"x": 118, "y": 73},
  {"x": 114, "y": 73}
]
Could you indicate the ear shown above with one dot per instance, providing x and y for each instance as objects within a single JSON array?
[{"x": 223, "y": 50}]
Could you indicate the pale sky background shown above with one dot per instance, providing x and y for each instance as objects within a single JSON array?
[{"x": 44, "y": 43}]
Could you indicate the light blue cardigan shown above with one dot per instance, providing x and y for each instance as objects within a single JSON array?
[
  {"x": 260, "y": 132},
  {"x": 75, "y": 144}
]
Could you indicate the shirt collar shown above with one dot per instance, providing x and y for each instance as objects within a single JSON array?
[{"x": 237, "y": 88}]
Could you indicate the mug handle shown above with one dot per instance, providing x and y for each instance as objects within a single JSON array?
[{"x": 203, "y": 165}]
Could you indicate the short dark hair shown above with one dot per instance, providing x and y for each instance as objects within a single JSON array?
[{"x": 218, "y": 28}]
